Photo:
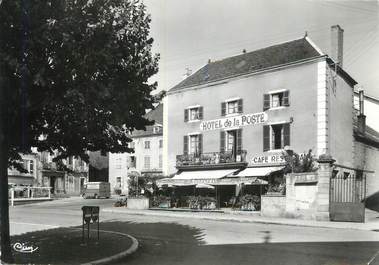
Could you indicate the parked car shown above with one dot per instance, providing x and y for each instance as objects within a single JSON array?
[{"x": 97, "y": 190}]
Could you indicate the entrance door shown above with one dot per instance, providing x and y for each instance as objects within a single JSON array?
[
  {"x": 52, "y": 184},
  {"x": 347, "y": 192}
]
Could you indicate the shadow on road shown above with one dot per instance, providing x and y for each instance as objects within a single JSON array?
[{"x": 172, "y": 243}]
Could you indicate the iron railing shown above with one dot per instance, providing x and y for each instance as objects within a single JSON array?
[{"x": 211, "y": 158}]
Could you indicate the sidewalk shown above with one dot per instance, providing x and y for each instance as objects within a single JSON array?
[{"x": 372, "y": 218}]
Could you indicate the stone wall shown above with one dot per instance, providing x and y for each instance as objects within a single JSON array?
[
  {"x": 307, "y": 195},
  {"x": 300, "y": 200},
  {"x": 273, "y": 205},
  {"x": 138, "y": 203},
  {"x": 301, "y": 195}
]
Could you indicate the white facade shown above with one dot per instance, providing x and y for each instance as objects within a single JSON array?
[
  {"x": 118, "y": 172},
  {"x": 148, "y": 155}
]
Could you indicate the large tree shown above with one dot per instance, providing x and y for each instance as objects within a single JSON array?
[{"x": 75, "y": 72}]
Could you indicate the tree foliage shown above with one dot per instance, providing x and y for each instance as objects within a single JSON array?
[
  {"x": 78, "y": 73},
  {"x": 299, "y": 163},
  {"x": 73, "y": 78}
]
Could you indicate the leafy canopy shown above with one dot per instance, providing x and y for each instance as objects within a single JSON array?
[{"x": 78, "y": 74}]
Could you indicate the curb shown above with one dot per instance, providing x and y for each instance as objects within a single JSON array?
[
  {"x": 133, "y": 248},
  {"x": 223, "y": 219}
]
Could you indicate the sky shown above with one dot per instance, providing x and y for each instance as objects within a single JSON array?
[{"x": 187, "y": 33}]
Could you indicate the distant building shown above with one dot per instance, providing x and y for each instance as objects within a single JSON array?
[
  {"x": 148, "y": 146},
  {"x": 30, "y": 163},
  {"x": 64, "y": 177},
  {"x": 147, "y": 157}
]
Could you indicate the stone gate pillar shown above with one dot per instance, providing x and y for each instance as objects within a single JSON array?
[{"x": 324, "y": 174}]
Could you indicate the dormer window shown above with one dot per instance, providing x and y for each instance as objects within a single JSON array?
[
  {"x": 193, "y": 113},
  {"x": 157, "y": 129}
]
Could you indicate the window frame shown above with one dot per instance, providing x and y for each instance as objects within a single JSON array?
[
  {"x": 198, "y": 116},
  {"x": 145, "y": 159},
  {"x": 147, "y": 144},
  {"x": 282, "y": 137},
  {"x": 282, "y": 101}
]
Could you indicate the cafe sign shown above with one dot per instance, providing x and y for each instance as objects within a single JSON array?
[
  {"x": 276, "y": 158},
  {"x": 234, "y": 122},
  {"x": 268, "y": 159}
]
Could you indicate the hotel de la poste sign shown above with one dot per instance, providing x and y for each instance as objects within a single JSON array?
[{"x": 234, "y": 122}]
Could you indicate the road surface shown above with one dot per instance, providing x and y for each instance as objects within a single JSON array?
[{"x": 168, "y": 240}]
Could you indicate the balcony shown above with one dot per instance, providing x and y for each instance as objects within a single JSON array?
[{"x": 211, "y": 160}]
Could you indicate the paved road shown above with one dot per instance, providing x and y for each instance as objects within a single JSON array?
[{"x": 167, "y": 240}]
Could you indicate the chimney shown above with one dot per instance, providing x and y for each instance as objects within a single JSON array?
[
  {"x": 188, "y": 73},
  {"x": 361, "y": 116},
  {"x": 336, "y": 46}
]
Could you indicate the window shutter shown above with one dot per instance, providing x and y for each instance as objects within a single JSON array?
[
  {"x": 185, "y": 115},
  {"x": 222, "y": 141},
  {"x": 200, "y": 148},
  {"x": 266, "y": 102},
  {"x": 286, "y": 101},
  {"x": 223, "y": 108},
  {"x": 286, "y": 134},
  {"x": 200, "y": 113},
  {"x": 240, "y": 106},
  {"x": 239, "y": 141},
  {"x": 266, "y": 138},
  {"x": 185, "y": 145}
]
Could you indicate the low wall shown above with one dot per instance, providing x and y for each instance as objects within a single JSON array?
[
  {"x": 301, "y": 195},
  {"x": 300, "y": 200},
  {"x": 273, "y": 205},
  {"x": 138, "y": 203}
]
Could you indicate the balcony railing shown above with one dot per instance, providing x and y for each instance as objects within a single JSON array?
[{"x": 211, "y": 159}]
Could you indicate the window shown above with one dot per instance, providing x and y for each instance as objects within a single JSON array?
[
  {"x": 131, "y": 145},
  {"x": 118, "y": 163},
  {"x": 160, "y": 143},
  {"x": 193, "y": 114},
  {"x": 193, "y": 144},
  {"x": 276, "y": 136},
  {"x": 146, "y": 163},
  {"x": 231, "y": 141},
  {"x": 118, "y": 182},
  {"x": 231, "y": 107},
  {"x": 147, "y": 144},
  {"x": 160, "y": 161},
  {"x": 274, "y": 100},
  {"x": 31, "y": 167},
  {"x": 157, "y": 129}
]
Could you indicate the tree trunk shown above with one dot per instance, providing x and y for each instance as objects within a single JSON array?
[{"x": 6, "y": 252}]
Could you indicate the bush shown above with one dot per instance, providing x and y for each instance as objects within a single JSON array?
[
  {"x": 200, "y": 202},
  {"x": 161, "y": 201},
  {"x": 117, "y": 191},
  {"x": 250, "y": 202}
]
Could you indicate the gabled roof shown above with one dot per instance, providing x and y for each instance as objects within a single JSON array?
[
  {"x": 281, "y": 54},
  {"x": 155, "y": 115}
]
